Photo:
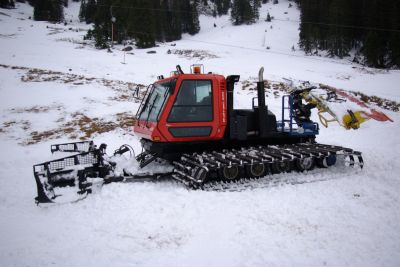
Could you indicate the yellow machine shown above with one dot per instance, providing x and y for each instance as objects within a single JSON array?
[{"x": 351, "y": 120}]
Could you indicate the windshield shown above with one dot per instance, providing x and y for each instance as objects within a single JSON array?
[{"x": 155, "y": 101}]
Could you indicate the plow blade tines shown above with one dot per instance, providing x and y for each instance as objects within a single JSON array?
[
  {"x": 79, "y": 147},
  {"x": 65, "y": 179},
  {"x": 56, "y": 188}
]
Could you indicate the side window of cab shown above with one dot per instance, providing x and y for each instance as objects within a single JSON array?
[{"x": 193, "y": 103}]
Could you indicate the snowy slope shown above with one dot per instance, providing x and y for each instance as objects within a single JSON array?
[{"x": 339, "y": 218}]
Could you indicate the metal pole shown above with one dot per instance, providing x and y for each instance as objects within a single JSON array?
[
  {"x": 113, "y": 19},
  {"x": 112, "y": 34}
]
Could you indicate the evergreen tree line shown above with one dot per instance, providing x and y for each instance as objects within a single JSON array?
[
  {"x": 7, "y": 4},
  {"x": 146, "y": 21},
  {"x": 151, "y": 21},
  {"x": 369, "y": 29},
  {"x": 245, "y": 11},
  {"x": 221, "y": 7},
  {"x": 48, "y": 10}
]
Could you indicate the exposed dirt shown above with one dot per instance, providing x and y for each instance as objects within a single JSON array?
[
  {"x": 277, "y": 88},
  {"x": 37, "y": 109},
  {"x": 9, "y": 125},
  {"x": 380, "y": 102},
  {"x": 77, "y": 125},
  {"x": 189, "y": 53},
  {"x": 82, "y": 127},
  {"x": 40, "y": 75},
  {"x": 125, "y": 91},
  {"x": 374, "y": 100}
]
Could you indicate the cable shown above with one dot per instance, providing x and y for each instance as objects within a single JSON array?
[
  {"x": 251, "y": 49},
  {"x": 297, "y": 21},
  {"x": 340, "y": 25}
]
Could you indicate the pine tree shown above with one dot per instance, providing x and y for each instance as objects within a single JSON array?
[
  {"x": 340, "y": 26},
  {"x": 190, "y": 20},
  {"x": 145, "y": 21},
  {"x": 255, "y": 4},
  {"x": 394, "y": 38},
  {"x": 222, "y": 6},
  {"x": 339, "y": 38},
  {"x": 82, "y": 11},
  {"x": 144, "y": 27},
  {"x": 172, "y": 22},
  {"x": 101, "y": 32},
  {"x": 268, "y": 19},
  {"x": 87, "y": 11},
  {"x": 49, "y": 10},
  {"x": 371, "y": 50},
  {"x": 245, "y": 11},
  {"x": 158, "y": 21},
  {"x": 376, "y": 43},
  {"x": 7, "y": 4}
]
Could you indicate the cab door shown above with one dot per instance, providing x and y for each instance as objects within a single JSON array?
[{"x": 193, "y": 112}]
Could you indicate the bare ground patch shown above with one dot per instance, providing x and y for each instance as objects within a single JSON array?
[
  {"x": 124, "y": 90},
  {"x": 189, "y": 53},
  {"x": 277, "y": 88},
  {"x": 37, "y": 109},
  {"x": 82, "y": 127},
  {"x": 271, "y": 87},
  {"x": 5, "y": 36},
  {"x": 73, "y": 41},
  {"x": 375, "y": 100},
  {"x": 9, "y": 125},
  {"x": 57, "y": 30},
  {"x": 4, "y": 14},
  {"x": 76, "y": 125}
]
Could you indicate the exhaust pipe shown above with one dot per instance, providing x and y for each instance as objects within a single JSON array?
[
  {"x": 230, "y": 85},
  {"x": 262, "y": 109}
]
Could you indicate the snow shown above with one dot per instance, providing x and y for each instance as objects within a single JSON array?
[{"x": 337, "y": 217}]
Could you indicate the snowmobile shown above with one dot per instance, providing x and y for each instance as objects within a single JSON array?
[{"x": 188, "y": 120}]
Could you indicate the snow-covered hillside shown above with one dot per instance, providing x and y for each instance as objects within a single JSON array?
[{"x": 53, "y": 84}]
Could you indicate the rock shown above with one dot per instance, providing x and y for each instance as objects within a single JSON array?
[
  {"x": 127, "y": 48},
  {"x": 151, "y": 52}
]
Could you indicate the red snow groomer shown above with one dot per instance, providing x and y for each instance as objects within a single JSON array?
[{"x": 189, "y": 121}]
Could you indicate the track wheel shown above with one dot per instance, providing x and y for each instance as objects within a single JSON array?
[
  {"x": 305, "y": 164},
  {"x": 282, "y": 166},
  {"x": 257, "y": 170},
  {"x": 327, "y": 161},
  {"x": 230, "y": 172}
]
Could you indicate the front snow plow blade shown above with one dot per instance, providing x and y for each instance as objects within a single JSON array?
[
  {"x": 72, "y": 178},
  {"x": 63, "y": 179}
]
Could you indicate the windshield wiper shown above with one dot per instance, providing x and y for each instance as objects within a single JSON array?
[
  {"x": 151, "y": 108},
  {"x": 142, "y": 106},
  {"x": 162, "y": 105}
]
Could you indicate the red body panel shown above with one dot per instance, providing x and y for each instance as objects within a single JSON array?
[{"x": 159, "y": 131}]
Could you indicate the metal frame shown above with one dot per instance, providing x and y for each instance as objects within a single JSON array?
[{"x": 310, "y": 128}]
